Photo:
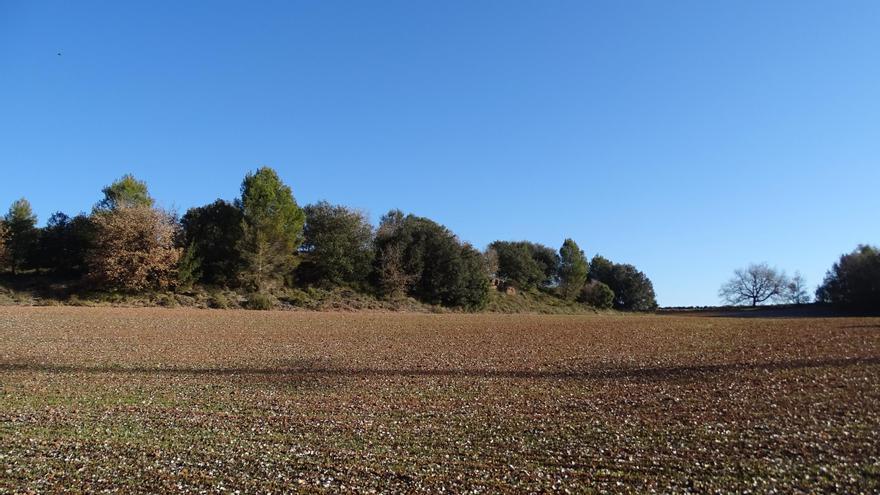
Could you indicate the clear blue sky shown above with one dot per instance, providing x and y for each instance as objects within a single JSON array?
[{"x": 686, "y": 137}]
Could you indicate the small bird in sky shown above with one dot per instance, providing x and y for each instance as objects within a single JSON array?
[{"x": 59, "y": 54}]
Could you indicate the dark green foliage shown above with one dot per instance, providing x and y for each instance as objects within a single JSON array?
[
  {"x": 472, "y": 286},
  {"x": 64, "y": 243},
  {"x": 633, "y": 291},
  {"x": 421, "y": 258},
  {"x": 214, "y": 231},
  {"x": 854, "y": 281},
  {"x": 260, "y": 301},
  {"x": 218, "y": 300},
  {"x": 20, "y": 234},
  {"x": 597, "y": 295},
  {"x": 573, "y": 269},
  {"x": 338, "y": 246},
  {"x": 189, "y": 268},
  {"x": 264, "y": 240},
  {"x": 526, "y": 264},
  {"x": 126, "y": 192},
  {"x": 600, "y": 268},
  {"x": 272, "y": 225},
  {"x": 4, "y": 256}
]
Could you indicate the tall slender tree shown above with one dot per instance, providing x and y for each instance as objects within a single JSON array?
[
  {"x": 272, "y": 229},
  {"x": 4, "y": 253},
  {"x": 573, "y": 269},
  {"x": 21, "y": 234}
]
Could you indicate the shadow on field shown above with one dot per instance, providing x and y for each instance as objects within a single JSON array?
[
  {"x": 655, "y": 373},
  {"x": 778, "y": 311}
]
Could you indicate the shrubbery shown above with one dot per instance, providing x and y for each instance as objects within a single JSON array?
[
  {"x": 260, "y": 301},
  {"x": 597, "y": 295}
]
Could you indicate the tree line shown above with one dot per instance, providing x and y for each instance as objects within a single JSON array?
[
  {"x": 264, "y": 241},
  {"x": 852, "y": 283}
]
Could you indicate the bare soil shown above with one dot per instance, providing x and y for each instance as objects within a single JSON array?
[{"x": 156, "y": 400}]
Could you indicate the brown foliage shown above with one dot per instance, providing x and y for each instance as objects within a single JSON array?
[
  {"x": 393, "y": 279},
  {"x": 134, "y": 249}
]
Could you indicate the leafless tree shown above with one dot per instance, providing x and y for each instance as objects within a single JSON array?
[
  {"x": 490, "y": 260},
  {"x": 754, "y": 285},
  {"x": 393, "y": 279},
  {"x": 796, "y": 290}
]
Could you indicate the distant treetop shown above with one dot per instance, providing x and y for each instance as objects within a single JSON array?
[{"x": 125, "y": 192}]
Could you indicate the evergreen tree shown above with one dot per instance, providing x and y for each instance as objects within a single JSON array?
[
  {"x": 214, "y": 231},
  {"x": 189, "y": 268},
  {"x": 526, "y": 264},
  {"x": 573, "y": 269},
  {"x": 21, "y": 234},
  {"x": 64, "y": 243},
  {"x": 4, "y": 253},
  {"x": 272, "y": 225},
  {"x": 338, "y": 246},
  {"x": 126, "y": 192},
  {"x": 853, "y": 282},
  {"x": 422, "y": 258},
  {"x": 632, "y": 289}
]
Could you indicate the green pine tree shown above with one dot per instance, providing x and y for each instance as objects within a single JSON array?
[
  {"x": 573, "y": 270},
  {"x": 20, "y": 237},
  {"x": 272, "y": 229}
]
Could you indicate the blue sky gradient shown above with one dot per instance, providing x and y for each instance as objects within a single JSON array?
[{"x": 686, "y": 137}]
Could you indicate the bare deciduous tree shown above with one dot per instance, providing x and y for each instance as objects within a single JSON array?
[
  {"x": 796, "y": 290},
  {"x": 393, "y": 278},
  {"x": 490, "y": 261},
  {"x": 754, "y": 285}
]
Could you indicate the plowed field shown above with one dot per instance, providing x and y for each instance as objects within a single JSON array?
[{"x": 208, "y": 401}]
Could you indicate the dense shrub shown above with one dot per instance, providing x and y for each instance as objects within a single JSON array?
[
  {"x": 218, "y": 300},
  {"x": 259, "y": 301},
  {"x": 597, "y": 295}
]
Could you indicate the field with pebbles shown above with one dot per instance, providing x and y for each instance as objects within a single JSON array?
[{"x": 205, "y": 401}]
